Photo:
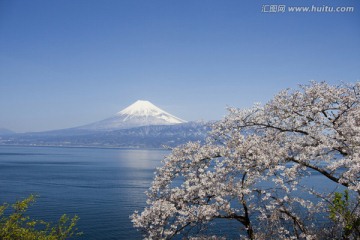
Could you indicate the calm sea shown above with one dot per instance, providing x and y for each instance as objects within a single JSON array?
[{"x": 102, "y": 186}]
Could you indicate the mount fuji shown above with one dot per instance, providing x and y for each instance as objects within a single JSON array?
[
  {"x": 140, "y": 113},
  {"x": 140, "y": 125}
]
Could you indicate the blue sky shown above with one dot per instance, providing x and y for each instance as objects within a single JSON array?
[{"x": 68, "y": 63}]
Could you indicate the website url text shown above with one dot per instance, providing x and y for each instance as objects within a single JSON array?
[{"x": 305, "y": 9}]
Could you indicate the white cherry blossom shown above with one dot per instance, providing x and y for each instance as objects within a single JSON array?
[{"x": 256, "y": 169}]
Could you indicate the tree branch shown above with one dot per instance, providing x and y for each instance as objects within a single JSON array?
[{"x": 320, "y": 170}]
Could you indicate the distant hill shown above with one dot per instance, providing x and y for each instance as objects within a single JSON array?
[
  {"x": 4, "y": 131},
  {"x": 155, "y": 136}
]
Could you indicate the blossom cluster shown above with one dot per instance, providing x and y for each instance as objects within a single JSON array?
[{"x": 255, "y": 169}]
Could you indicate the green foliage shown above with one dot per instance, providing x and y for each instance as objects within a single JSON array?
[
  {"x": 341, "y": 208},
  {"x": 340, "y": 205},
  {"x": 17, "y": 225}
]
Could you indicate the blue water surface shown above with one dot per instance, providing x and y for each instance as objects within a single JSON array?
[{"x": 102, "y": 186}]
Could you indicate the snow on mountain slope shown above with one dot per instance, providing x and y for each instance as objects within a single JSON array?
[
  {"x": 145, "y": 108},
  {"x": 140, "y": 113}
]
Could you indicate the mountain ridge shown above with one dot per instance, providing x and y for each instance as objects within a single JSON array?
[{"x": 154, "y": 136}]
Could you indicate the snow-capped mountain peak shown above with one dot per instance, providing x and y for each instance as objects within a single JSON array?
[
  {"x": 140, "y": 113},
  {"x": 143, "y": 108},
  {"x": 140, "y": 107}
]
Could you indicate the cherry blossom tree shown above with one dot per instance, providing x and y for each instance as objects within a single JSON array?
[{"x": 287, "y": 170}]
